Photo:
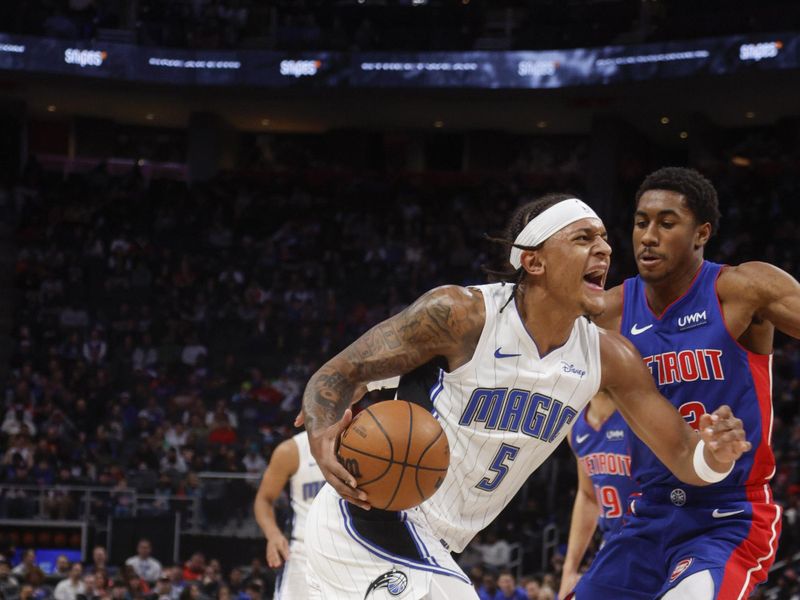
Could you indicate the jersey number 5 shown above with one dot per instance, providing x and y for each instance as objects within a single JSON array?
[{"x": 498, "y": 467}]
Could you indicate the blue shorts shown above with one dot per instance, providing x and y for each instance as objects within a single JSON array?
[{"x": 669, "y": 535}]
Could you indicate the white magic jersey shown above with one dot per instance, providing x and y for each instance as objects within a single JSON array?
[
  {"x": 303, "y": 485},
  {"x": 504, "y": 412}
]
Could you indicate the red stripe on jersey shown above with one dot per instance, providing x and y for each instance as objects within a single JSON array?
[
  {"x": 764, "y": 461},
  {"x": 749, "y": 564}
]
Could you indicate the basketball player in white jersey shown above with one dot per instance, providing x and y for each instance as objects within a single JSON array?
[
  {"x": 522, "y": 362},
  {"x": 290, "y": 462}
]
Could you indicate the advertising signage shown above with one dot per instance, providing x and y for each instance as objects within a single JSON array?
[{"x": 493, "y": 70}]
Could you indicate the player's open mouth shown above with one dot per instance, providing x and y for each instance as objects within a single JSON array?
[{"x": 595, "y": 279}]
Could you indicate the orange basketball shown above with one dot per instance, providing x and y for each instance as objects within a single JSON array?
[{"x": 398, "y": 453}]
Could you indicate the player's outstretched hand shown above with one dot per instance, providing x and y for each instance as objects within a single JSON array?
[
  {"x": 277, "y": 552},
  {"x": 724, "y": 435},
  {"x": 323, "y": 447}
]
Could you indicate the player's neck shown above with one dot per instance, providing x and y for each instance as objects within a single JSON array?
[
  {"x": 599, "y": 411},
  {"x": 546, "y": 321},
  {"x": 660, "y": 294}
]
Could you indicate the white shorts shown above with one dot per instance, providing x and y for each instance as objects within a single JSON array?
[
  {"x": 291, "y": 583},
  {"x": 392, "y": 556}
]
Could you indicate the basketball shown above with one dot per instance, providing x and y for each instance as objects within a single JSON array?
[{"x": 398, "y": 453}]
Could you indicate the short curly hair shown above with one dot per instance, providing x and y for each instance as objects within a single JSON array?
[{"x": 699, "y": 192}]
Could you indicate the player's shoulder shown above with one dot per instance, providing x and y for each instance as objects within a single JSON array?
[
  {"x": 616, "y": 351},
  {"x": 459, "y": 309},
  {"x": 454, "y": 295},
  {"x": 611, "y": 316},
  {"x": 735, "y": 279}
]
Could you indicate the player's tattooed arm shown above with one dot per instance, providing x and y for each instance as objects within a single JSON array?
[{"x": 446, "y": 321}]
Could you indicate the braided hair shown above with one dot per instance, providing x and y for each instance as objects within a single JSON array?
[{"x": 521, "y": 217}]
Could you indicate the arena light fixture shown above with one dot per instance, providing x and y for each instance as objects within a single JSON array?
[
  {"x": 149, "y": 116},
  {"x": 749, "y": 114},
  {"x": 51, "y": 108},
  {"x": 664, "y": 120},
  {"x": 265, "y": 122},
  {"x": 438, "y": 124},
  {"x": 684, "y": 134},
  {"x": 741, "y": 161},
  {"x": 541, "y": 124}
]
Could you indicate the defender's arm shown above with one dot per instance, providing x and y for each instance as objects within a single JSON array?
[{"x": 658, "y": 424}]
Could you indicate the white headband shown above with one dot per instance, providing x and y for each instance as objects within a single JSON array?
[{"x": 545, "y": 224}]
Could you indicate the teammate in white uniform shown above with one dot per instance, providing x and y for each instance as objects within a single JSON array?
[
  {"x": 522, "y": 362},
  {"x": 291, "y": 462}
]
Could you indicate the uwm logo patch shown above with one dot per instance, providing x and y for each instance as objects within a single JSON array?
[
  {"x": 691, "y": 321},
  {"x": 680, "y": 568}
]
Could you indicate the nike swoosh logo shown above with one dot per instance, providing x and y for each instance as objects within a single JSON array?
[
  {"x": 636, "y": 330},
  {"x": 581, "y": 438},
  {"x": 498, "y": 354},
  {"x": 718, "y": 514}
]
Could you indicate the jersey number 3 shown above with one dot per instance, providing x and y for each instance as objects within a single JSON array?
[
  {"x": 499, "y": 468},
  {"x": 691, "y": 413}
]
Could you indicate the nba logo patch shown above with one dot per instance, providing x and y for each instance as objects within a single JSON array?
[{"x": 680, "y": 568}]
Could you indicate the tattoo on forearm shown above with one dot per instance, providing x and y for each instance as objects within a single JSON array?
[
  {"x": 440, "y": 323},
  {"x": 326, "y": 398}
]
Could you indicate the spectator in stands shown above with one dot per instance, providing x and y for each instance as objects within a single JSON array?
[
  {"x": 195, "y": 567},
  {"x": 508, "y": 589},
  {"x": 63, "y": 567},
  {"x": 253, "y": 590},
  {"x": 9, "y": 586},
  {"x": 100, "y": 562},
  {"x": 163, "y": 589},
  {"x": 70, "y": 587},
  {"x": 488, "y": 588},
  {"x": 26, "y": 592},
  {"x": 236, "y": 581},
  {"x": 496, "y": 551},
  {"x": 172, "y": 462},
  {"x": 95, "y": 349},
  {"x": 533, "y": 588},
  {"x": 145, "y": 566},
  {"x": 177, "y": 583},
  {"x": 26, "y": 565},
  {"x": 36, "y": 578},
  {"x": 16, "y": 418},
  {"x": 138, "y": 588},
  {"x": 119, "y": 589},
  {"x": 102, "y": 584},
  {"x": 90, "y": 591}
]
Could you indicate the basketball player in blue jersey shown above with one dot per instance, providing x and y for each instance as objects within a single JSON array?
[
  {"x": 705, "y": 331},
  {"x": 600, "y": 441},
  {"x": 291, "y": 463},
  {"x": 521, "y": 363}
]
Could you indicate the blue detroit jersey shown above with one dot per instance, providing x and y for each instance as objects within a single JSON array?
[
  {"x": 698, "y": 366},
  {"x": 604, "y": 455}
]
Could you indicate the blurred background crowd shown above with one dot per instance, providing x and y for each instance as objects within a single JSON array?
[
  {"x": 164, "y": 317},
  {"x": 163, "y": 331}
]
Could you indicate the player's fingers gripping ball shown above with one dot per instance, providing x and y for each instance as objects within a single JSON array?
[{"x": 398, "y": 453}]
